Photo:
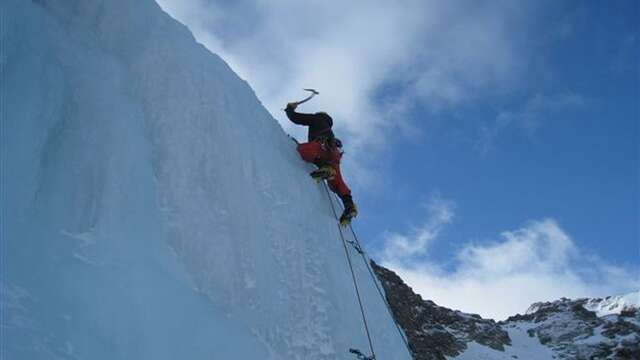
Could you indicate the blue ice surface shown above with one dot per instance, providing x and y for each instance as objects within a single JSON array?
[{"x": 153, "y": 209}]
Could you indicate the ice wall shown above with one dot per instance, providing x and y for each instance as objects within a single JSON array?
[{"x": 152, "y": 208}]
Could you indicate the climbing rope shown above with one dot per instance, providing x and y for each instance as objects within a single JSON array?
[
  {"x": 353, "y": 277},
  {"x": 367, "y": 262}
]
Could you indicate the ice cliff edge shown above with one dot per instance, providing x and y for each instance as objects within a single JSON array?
[{"x": 152, "y": 208}]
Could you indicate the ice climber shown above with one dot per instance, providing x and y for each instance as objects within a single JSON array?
[{"x": 323, "y": 149}]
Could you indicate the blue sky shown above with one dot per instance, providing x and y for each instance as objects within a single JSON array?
[
  {"x": 578, "y": 164},
  {"x": 475, "y": 133}
]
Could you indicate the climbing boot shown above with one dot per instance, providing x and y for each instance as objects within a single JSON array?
[{"x": 350, "y": 210}]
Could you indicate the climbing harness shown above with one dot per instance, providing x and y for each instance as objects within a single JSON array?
[{"x": 355, "y": 243}]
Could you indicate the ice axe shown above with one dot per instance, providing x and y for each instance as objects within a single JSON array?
[{"x": 313, "y": 93}]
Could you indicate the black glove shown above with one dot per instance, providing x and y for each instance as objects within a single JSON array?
[{"x": 291, "y": 106}]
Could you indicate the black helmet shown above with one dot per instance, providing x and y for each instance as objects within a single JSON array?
[{"x": 326, "y": 116}]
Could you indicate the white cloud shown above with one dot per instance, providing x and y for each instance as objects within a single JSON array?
[
  {"x": 434, "y": 54},
  {"x": 410, "y": 247},
  {"x": 538, "y": 262}
]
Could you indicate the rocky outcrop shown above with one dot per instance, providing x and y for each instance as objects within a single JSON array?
[
  {"x": 582, "y": 329},
  {"x": 434, "y": 331}
]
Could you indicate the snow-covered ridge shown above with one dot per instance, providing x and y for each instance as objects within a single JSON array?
[
  {"x": 601, "y": 306},
  {"x": 571, "y": 330},
  {"x": 614, "y": 304},
  {"x": 562, "y": 329},
  {"x": 152, "y": 208}
]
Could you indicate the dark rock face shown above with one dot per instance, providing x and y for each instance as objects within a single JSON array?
[
  {"x": 434, "y": 331},
  {"x": 565, "y": 326}
]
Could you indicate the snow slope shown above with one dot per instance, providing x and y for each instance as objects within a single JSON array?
[
  {"x": 570, "y": 329},
  {"x": 152, "y": 208},
  {"x": 561, "y": 329},
  {"x": 522, "y": 346}
]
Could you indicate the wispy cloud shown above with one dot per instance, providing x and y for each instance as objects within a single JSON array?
[
  {"x": 496, "y": 279},
  {"x": 433, "y": 54},
  {"x": 531, "y": 115},
  {"x": 412, "y": 246}
]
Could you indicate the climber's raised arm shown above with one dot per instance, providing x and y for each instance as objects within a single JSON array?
[{"x": 301, "y": 118}]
